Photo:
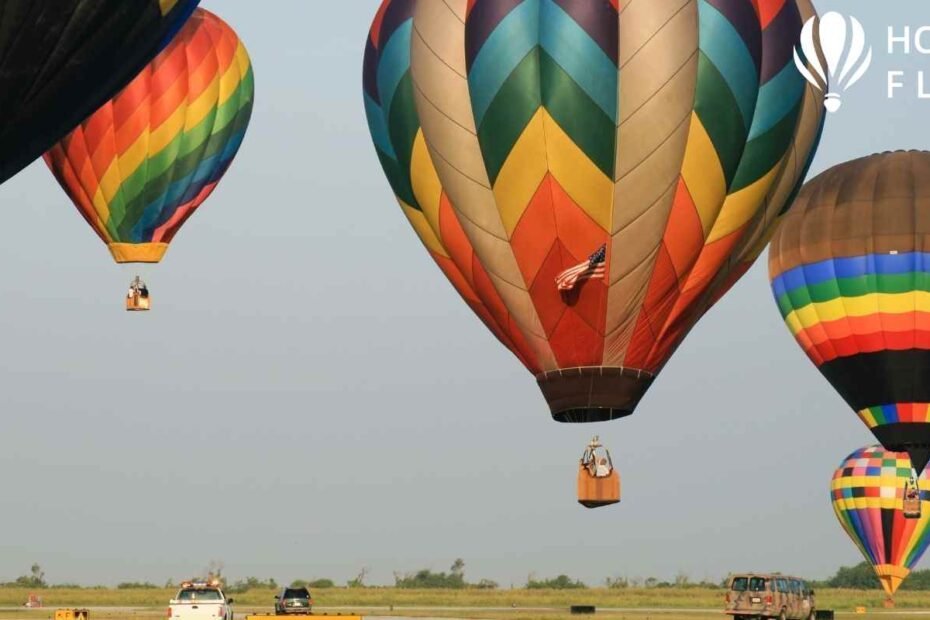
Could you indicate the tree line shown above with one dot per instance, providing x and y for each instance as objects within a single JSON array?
[{"x": 858, "y": 577}]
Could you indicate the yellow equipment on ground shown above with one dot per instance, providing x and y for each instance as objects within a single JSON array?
[
  {"x": 310, "y": 615},
  {"x": 72, "y": 614}
]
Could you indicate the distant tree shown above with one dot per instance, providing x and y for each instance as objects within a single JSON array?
[
  {"x": 251, "y": 583},
  {"x": 617, "y": 583},
  {"x": 562, "y": 582},
  {"x": 682, "y": 580},
  {"x": 136, "y": 585},
  {"x": 650, "y": 582},
  {"x": 858, "y": 577},
  {"x": 359, "y": 581},
  {"x": 35, "y": 579},
  {"x": 214, "y": 570},
  {"x": 917, "y": 580},
  {"x": 486, "y": 584},
  {"x": 427, "y": 579},
  {"x": 321, "y": 583},
  {"x": 862, "y": 577},
  {"x": 170, "y": 584}
]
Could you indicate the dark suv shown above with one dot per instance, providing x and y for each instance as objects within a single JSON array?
[{"x": 292, "y": 601}]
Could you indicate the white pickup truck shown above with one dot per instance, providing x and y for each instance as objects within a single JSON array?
[{"x": 200, "y": 601}]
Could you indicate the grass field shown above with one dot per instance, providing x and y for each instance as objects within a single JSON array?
[
  {"x": 630, "y": 598},
  {"x": 517, "y": 614}
]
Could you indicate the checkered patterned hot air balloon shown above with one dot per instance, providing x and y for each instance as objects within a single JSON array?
[
  {"x": 144, "y": 162},
  {"x": 521, "y": 136},
  {"x": 850, "y": 270},
  {"x": 867, "y": 492}
]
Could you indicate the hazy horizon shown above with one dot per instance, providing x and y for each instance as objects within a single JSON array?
[{"x": 346, "y": 409}]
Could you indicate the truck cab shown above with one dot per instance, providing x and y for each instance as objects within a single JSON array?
[{"x": 200, "y": 601}]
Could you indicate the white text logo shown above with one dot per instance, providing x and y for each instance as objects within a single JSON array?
[{"x": 844, "y": 60}]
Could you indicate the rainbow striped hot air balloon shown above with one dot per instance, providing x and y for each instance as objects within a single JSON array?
[
  {"x": 140, "y": 166},
  {"x": 867, "y": 492},
  {"x": 850, "y": 270},
  {"x": 590, "y": 179}
]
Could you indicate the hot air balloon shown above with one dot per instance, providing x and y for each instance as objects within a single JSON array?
[
  {"x": 594, "y": 224},
  {"x": 140, "y": 166},
  {"x": 61, "y": 60},
  {"x": 851, "y": 277},
  {"x": 833, "y": 33},
  {"x": 867, "y": 491}
]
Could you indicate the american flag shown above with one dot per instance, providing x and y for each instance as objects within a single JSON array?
[{"x": 594, "y": 267}]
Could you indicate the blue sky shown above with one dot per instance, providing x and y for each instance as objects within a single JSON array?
[{"x": 344, "y": 409}]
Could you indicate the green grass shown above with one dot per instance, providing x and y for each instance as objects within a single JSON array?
[{"x": 156, "y": 600}]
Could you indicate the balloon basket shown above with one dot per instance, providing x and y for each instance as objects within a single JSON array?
[
  {"x": 888, "y": 603},
  {"x": 911, "y": 507},
  {"x": 138, "y": 300},
  {"x": 598, "y": 492},
  {"x": 138, "y": 304}
]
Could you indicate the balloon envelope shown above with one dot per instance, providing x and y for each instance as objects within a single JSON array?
[
  {"x": 867, "y": 493},
  {"x": 657, "y": 195},
  {"x": 139, "y": 166},
  {"x": 62, "y": 59},
  {"x": 851, "y": 276},
  {"x": 401, "y": 148}
]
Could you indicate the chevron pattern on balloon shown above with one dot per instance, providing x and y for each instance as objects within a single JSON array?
[
  {"x": 399, "y": 143},
  {"x": 543, "y": 85},
  {"x": 747, "y": 110}
]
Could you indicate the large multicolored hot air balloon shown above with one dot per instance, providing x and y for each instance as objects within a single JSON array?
[
  {"x": 851, "y": 276},
  {"x": 143, "y": 163},
  {"x": 867, "y": 492},
  {"x": 61, "y": 60},
  {"x": 591, "y": 225}
]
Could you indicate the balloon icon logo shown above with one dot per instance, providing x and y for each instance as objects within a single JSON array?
[{"x": 844, "y": 58}]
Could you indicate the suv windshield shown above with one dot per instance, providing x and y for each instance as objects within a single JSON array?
[
  {"x": 296, "y": 593},
  {"x": 199, "y": 594}
]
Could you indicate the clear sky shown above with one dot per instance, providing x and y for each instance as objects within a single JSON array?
[{"x": 310, "y": 396}]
